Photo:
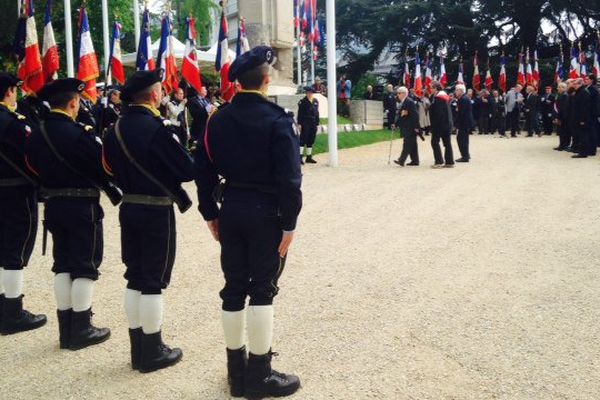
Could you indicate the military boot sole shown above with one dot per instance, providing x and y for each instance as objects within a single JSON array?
[
  {"x": 30, "y": 327},
  {"x": 169, "y": 362},
  {"x": 284, "y": 391},
  {"x": 90, "y": 342}
]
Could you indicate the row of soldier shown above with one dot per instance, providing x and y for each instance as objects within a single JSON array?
[{"x": 247, "y": 169}]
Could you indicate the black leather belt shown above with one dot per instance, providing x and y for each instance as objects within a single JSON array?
[
  {"x": 252, "y": 186},
  {"x": 11, "y": 182},
  {"x": 147, "y": 200},
  {"x": 72, "y": 192}
]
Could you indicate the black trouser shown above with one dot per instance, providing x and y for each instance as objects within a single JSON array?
[
  {"x": 437, "y": 151},
  {"x": 512, "y": 121},
  {"x": 148, "y": 240},
  {"x": 484, "y": 124},
  {"x": 409, "y": 148},
  {"x": 533, "y": 125},
  {"x": 498, "y": 124},
  {"x": 250, "y": 234},
  {"x": 308, "y": 134},
  {"x": 564, "y": 136},
  {"x": 548, "y": 125},
  {"x": 77, "y": 235},
  {"x": 462, "y": 138},
  {"x": 18, "y": 226},
  {"x": 391, "y": 117}
]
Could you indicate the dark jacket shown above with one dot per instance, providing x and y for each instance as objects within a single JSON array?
[
  {"x": 408, "y": 124},
  {"x": 389, "y": 102},
  {"x": 251, "y": 142},
  {"x": 532, "y": 104},
  {"x": 308, "y": 112},
  {"x": 13, "y": 132},
  {"x": 464, "y": 118},
  {"x": 581, "y": 110},
  {"x": 197, "y": 107},
  {"x": 441, "y": 115}
]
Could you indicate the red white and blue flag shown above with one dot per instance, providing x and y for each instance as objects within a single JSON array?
[
  {"x": 574, "y": 70},
  {"x": 428, "y": 75},
  {"x": 303, "y": 14},
  {"x": 596, "y": 67},
  {"x": 536, "y": 70},
  {"x": 418, "y": 77},
  {"x": 50, "y": 58},
  {"x": 443, "y": 74},
  {"x": 28, "y": 50},
  {"x": 559, "y": 71},
  {"x": 521, "y": 73},
  {"x": 166, "y": 56},
  {"x": 223, "y": 45},
  {"x": 407, "y": 77},
  {"x": 502, "y": 79},
  {"x": 116, "y": 64},
  {"x": 87, "y": 69},
  {"x": 476, "y": 74},
  {"x": 529, "y": 72},
  {"x": 489, "y": 81},
  {"x": 190, "y": 70},
  {"x": 296, "y": 14},
  {"x": 582, "y": 61},
  {"x": 144, "y": 60},
  {"x": 243, "y": 46},
  {"x": 460, "y": 80}
]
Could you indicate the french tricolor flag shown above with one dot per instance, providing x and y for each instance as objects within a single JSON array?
[
  {"x": 223, "y": 47},
  {"x": 596, "y": 67},
  {"x": 502, "y": 78},
  {"x": 116, "y": 64},
  {"x": 243, "y": 46},
  {"x": 190, "y": 70},
  {"x": 30, "y": 67},
  {"x": 418, "y": 77},
  {"x": 536, "y": 70},
  {"x": 461, "y": 74},
  {"x": 574, "y": 71},
  {"x": 582, "y": 61},
  {"x": 144, "y": 60},
  {"x": 443, "y": 74},
  {"x": 87, "y": 70},
  {"x": 50, "y": 58},
  {"x": 166, "y": 57},
  {"x": 521, "y": 73}
]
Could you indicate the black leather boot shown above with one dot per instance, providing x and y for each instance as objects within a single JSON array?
[
  {"x": 236, "y": 367},
  {"x": 157, "y": 355},
  {"x": 261, "y": 381},
  {"x": 64, "y": 327},
  {"x": 310, "y": 160},
  {"x": 15, "y": 319},
  {"x": 83, "y": 333},
  {"x": 135, "y": 339}
]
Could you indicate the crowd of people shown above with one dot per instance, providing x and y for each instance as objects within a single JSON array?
[{"x": 571, "y": 109}]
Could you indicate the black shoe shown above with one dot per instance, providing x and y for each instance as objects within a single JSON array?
[
  {"x": 301, "y": 160},
  {"x": 579, "y": 156},
  {"x": 399, "y": 163},
  {"x": 64, "y": 327},
  {"x": 135, "y": 340},
  {"x": 157, "y": 355},
  {"x": 15, "y": 319},
  {"x": 261, "y": 381},
  {"x": 462, "y": 160},
  {"x": 310, "y": 160},
  {"x": 559, "y": 148},
  {"x": 413, "y": 164},
  {"x": 83, "y": 333},
  {"x": 236, "y": 368}
]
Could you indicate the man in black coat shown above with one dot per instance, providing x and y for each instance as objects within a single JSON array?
[
  {"x": 561, "y": 117},
  {"x": 464, "y": 123},
  {"x": 441, "y": 126},
  {"x": 308, "y": 122},
  {"x": 532, "y": 111},
  {"x": 547, "y": 109},
  {"x": 591, "y": 83},
  {"x": 200, "y": 108},
  {"x": 498, "y": 121},
  {"x": 389, "y": 106},
  {"x": 408, "y": 122},
  {"x": 581, "y": 118}
]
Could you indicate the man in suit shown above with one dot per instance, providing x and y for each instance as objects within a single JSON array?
[
  {"x": 561, "y": 117},
  {"x": 464, "y": 122},
  {"x": 513, "y": 99},
  {"x": 441, "y": 127},
  {"x": 408, "y": 122},
  {"x": 532, "y": 111},
  {"x": 581, "y": 118},
  {"x": 200, "y": 109},
  {"x": 547, "y": 105}
]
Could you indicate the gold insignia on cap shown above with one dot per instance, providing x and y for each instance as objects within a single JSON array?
[{"x": 81, "y": 87}]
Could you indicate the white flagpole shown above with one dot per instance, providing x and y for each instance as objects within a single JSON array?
[
  {"x": 18, "y": 8},
  {"x": 105, "y": 35},
  {"x": 331, "y": 85},
  {"x": 136, "y": 23},
  {"x": 312, "y": 61},
  {"x": 69, "y": 40},
  {"x": 299, "y": 50}
]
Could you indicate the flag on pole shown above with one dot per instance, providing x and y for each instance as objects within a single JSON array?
[
  {"x": 476, "y": 74},
  {"x": 242, "y": 43},
  {"x": 303, "y": 16},
  {"x": 536, "y": 70},
  {"x": 166, "y": 56},
  {"x": 574, "y": 70},
  {"x": 460, "y": 80},
  {"x": 190, "y": 70},
  {"x": 596, "y": 67},
  {"x": 582, "y": 61},
  {"x": 223, "y": 45},
  {"x": 87, "y": 69},
  {"x": 28, "y": 51},
  {"x": 489, "y": 81},
  {"x": 428, "y": 75},
  {"x": 443, "y": 74},
  {"x": 116, "y": 64},
  {"x": 418, "y": 77},
  {"x": 521, "y": 73},
  {"x": 529, "y": 72},
  {"x": 296, "y": 16},
  {"x": 502, "y": 78},
  {"x": 407, "y": 78},
  {"x": 144, "y": 60},
  {"x": 50, "y": 58}
]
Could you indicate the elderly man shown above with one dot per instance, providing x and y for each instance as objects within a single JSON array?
[
  {"x": 408, "y": 121},
  {"x": 581, "y": 118},
  {"x": 464, "y": 123},
  {"x": 561, "y": 117},
  {"x": 532, "y": 111},
  {"x": 513, "y": 99},
  {"x": 441, "y": 127},
  {"x": 176, "y": 114},
  {"x": 591, "y": 83}
]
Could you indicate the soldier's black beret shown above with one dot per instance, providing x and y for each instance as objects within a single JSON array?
[
  {"x": 67, "y": 85},
  {"x": 250, "y": 60},
  {"x": 140, "y": 81},
  {"x": 309, "y": 89},
  {"x": 7, "y": 81}
]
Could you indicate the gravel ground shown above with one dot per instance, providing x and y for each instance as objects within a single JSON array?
[{"x": 472, "y": 283}]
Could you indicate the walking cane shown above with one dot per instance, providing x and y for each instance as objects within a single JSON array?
[{"x": 391, "y": 144}]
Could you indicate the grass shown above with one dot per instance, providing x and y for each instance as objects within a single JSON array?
[
  {"x": 348, "y": 140},
  {"x": 340, "y": 120}
]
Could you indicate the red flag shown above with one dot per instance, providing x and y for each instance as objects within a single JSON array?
[
  {"x": 190, "y": 71},
  {"x": 88, "y": 69},
  {"x": 476, "y": 74},
  {"x": 30, "y": 68}
]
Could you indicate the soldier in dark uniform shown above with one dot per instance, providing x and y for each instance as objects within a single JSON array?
[
  {"x": 308, "y": 121},
  {"x": 33, "y": 108},
  {"x": 86, "y": 114},
  {"x": 149, "y": 164},
  {"x": 18, "y": 212},
  {"x": 389, "y": 106},
  {"x": 111, "y": 111},
  {"x": 67, "y": 157},
  {"x": 547, "y": 109},
  {"x": 252, "y": 144},
  {"x": 408, "y": 122}
]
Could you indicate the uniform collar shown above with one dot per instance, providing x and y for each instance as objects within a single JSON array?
[
  {"x": 12, "y": 109},
  {"x": 62, "y": 113},
  {"x": 148, "y": 107},
  {"x": 258, "y": 92}
]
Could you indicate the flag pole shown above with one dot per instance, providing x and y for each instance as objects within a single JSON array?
[
  {"x": 108, "y": 78},
  {"x": 312, "y": 60},
  {"x": 69, "y": 39},
  {"x": 136, "y": 23},
  {"x": 298, "y": 49},
  {"x": 331, "y": 85}
]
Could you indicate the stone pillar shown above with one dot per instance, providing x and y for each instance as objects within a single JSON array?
[{"x": 270, "y": 22}]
